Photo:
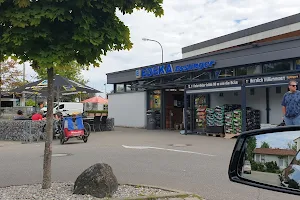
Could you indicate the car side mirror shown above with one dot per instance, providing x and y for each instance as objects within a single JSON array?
[{"x": 268, "y": 159}]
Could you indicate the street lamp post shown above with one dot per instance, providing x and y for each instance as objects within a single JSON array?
[
  {"x": 162, "y": 51},
  {"x": 105, "y": 90}
]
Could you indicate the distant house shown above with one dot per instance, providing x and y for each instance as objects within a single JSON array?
[
  {"x": 281, "y": 156},
  {"x": 297, "y": 141}
]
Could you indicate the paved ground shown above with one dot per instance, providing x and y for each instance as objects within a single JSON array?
[
  {"x": 201, "y": 167},
  {"x": 264, "y": 177}
]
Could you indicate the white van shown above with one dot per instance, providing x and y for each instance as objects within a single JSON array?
[{"x": 66, "y": 108}]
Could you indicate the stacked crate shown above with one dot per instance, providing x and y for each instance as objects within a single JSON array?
[
  {"x": 219, "y": 116},
  {"x": 210, "y": 117},
  {"x": 229, "y": 122},
  {"x": 237, "y": 121},
  {"x": 256, "y": 116},
  {"x": 201, "y": 117}
]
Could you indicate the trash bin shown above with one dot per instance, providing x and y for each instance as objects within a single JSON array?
[{"x": 151, "y": 124}]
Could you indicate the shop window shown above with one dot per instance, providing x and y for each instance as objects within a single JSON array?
[
  {"x": 105, "y": 107},
  {"x": 155, "y": 100},
  {"x": 120, "y": 87},
  {"x": 277, "y": 67},
  {"x": 129, "y": 88},
  {"x": 248, "y": 70},
  {"x": 223, "y": 73},
  {"x": 278, "y": 90}
]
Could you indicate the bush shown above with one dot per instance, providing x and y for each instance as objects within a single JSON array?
[
  {"x": 272, "y": 167},
  {"x": 258, "y": 166}
]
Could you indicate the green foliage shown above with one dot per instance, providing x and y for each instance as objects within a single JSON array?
[
  {"x": 10, "y": 75},
  {"x": 251, "y": 145},
  {"x": 55, "y": 33},
  {"x": 272, "y": 167},
  {"x": 292, "y": 146},
  {"x": 30, "y": 102},
  {"x": 265, "y": 145},
  {"x": 72, "y": 71},
  {"x": 257, "y": 166}
]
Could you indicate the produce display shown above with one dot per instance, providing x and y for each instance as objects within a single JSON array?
[
  {"x": 229, "y": 116},
  {"x": 200, "y": 108}
]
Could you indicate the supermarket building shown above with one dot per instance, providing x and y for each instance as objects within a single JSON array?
[{"x": 249, "y": 68}]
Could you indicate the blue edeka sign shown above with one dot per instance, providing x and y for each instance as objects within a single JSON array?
[{"x": 169, "y": 69}]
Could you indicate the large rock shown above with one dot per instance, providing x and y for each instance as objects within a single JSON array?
[{"x": 98, "y": 181}]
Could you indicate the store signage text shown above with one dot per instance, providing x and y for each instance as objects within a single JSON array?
[
  {"x": 168, "y": 69},
  {"x": 215, "y": 84},
  {"x": 271, "y": 79}
]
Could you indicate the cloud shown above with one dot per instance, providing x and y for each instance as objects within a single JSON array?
[{"x": 185, "y": 23}]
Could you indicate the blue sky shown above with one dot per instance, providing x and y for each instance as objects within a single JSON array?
[
  {"x": 277, "y": 140},
  {"x": 184, "y": 23}
]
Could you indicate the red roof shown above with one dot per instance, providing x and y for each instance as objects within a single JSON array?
[
  {"x": 279, "y": 152},
  {"x": 96, "y": 100}
]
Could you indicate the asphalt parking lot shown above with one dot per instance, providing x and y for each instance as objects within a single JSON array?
[{"x": 191, "y": 163}]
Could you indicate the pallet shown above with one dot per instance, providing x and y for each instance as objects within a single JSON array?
[
  {"x": 215, "y": 134},
  {"x": 230, "y": 136}
]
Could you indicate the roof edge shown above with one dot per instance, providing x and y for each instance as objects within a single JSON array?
[{"x": 244, "y": 33}]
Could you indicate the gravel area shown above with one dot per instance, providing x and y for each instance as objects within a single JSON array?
[{"x": 63, "y": 191}]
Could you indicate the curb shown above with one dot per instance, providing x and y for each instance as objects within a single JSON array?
[
  {"x": 153, "y": 197},
  {"x": 156, "y": 187},
  {"x": 178, "y": 193}
]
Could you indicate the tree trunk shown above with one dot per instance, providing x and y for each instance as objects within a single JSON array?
[{"x": 49, "y": 131}]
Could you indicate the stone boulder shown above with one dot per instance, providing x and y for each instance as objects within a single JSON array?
[{"x": 98, "y": 181}]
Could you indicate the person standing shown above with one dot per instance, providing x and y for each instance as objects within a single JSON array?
[{"x": 291, "y": 105}]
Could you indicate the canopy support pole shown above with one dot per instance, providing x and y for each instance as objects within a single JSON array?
[
  {"x": 244, "y": 106},
  {"x": 185, "y": 110}
]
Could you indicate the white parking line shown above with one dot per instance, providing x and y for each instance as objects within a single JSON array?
[{"x": 158, "y": 148}]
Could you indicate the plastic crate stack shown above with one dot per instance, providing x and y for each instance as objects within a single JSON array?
[
  {"x": 256, "y": 115},
  {"x": 237, "y": 121},
  {"x": 201, "y": 117},
  {"x": 210, "y": 117},
  {"x": 229, "y": 122},
  {"x": 249, "y": 119},
  {"x": 219, "y": 116}
]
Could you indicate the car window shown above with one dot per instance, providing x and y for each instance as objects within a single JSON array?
[
  {"x": 296, "y": 160},
  {"x": 295, "y": 173},
  {"x": 61, "y": 106}
]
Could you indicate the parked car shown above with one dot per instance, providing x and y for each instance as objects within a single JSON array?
[
  {"x": 66, "y": 108},
  {"x": 247, "y": 167}
]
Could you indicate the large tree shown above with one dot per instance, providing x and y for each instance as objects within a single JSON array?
[
  {"x": 251, "y": 145},
  {"x": 72, "y": 71},
  {"x": 52, "y": 33},
  {"x": 265, "y": 145},
  {"x": 10, "y": 76}
]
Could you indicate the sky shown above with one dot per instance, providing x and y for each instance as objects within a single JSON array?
[
  {"x": 184, "y": 23},
  {"x": 277, "y": 140}
]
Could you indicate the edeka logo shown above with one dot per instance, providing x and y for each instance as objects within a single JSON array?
[{"x": 168, "y": 69}]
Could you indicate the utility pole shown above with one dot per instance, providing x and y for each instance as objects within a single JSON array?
[{"x": 105, "y": 90}]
